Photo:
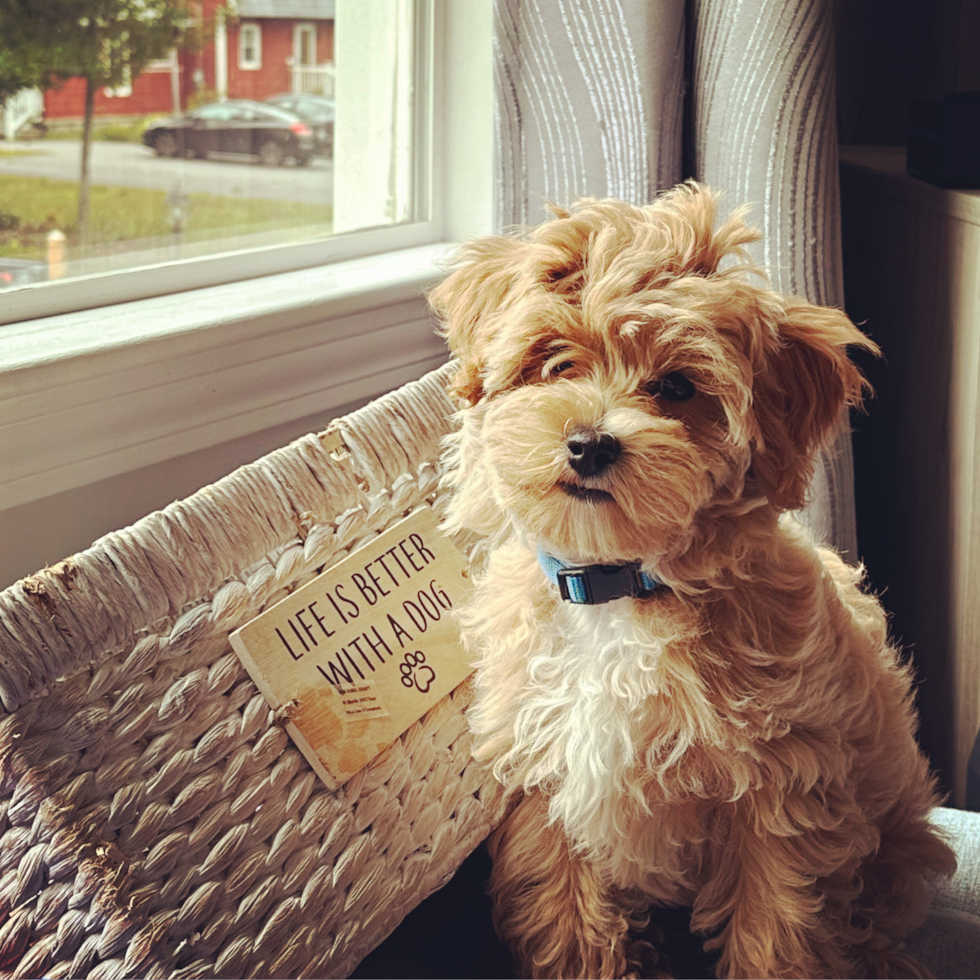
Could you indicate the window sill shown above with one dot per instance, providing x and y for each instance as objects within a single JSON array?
[{"x": 101, "y": 392}]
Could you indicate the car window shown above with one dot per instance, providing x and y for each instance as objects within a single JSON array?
[
  {"x": 322, "y": 107},
  {"x": 278, "y": 113},
  {"x": 213, "y": 112}
]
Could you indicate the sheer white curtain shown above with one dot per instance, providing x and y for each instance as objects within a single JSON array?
[{"x": 624, "y": 98}]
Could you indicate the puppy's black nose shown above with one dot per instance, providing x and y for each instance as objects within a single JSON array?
[{"x": 590, "y": 452}]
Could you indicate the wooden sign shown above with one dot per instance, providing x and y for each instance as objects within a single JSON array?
[{"x": 365, "y": 649}]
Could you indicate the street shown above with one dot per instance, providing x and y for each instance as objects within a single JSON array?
[{"x": 134, "y": 165}]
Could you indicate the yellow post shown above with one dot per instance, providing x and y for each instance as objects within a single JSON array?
[{"x": 56, "y": 254}]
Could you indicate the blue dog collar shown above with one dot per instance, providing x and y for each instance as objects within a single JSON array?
[{"x": 592, "y": 585}]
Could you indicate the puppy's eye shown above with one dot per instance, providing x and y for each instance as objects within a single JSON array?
[
  {"x": 557, "y": 365},
  {"x": 674, "y": 387},
  {"x": 570, "y": 271}
]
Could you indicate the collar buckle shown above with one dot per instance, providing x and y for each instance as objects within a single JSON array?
[{"x": 593, "y": 585}]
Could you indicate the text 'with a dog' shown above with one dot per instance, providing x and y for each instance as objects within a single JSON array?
[{"x": 365, "y": 649}]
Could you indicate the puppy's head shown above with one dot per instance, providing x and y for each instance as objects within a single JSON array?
[{"x": 622, "y": 387}]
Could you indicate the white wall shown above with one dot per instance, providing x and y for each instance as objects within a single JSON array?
[{"x": 41, "y": 532}]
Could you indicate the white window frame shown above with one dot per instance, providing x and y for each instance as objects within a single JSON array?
[
  {"x": 160, "y": 65},
  {"x": 245, "y": 29},
  {"x": 139, "y": 367}
]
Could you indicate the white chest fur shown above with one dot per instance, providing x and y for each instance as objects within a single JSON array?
[
  {"x": 580, "y": 712},
  {"x": 594, "y": 716},
  {"x": 570, "y": 702}
]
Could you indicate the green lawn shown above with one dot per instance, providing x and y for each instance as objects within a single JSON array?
[
  {"x": 18, "y": 153},
  {"x": 124, "y": 130},
  {"x": 31, "y": 207}
]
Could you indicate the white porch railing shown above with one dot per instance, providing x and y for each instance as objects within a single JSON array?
[
  {"x": 313, "y": 79},
  {"x": 20, "y": 108}
]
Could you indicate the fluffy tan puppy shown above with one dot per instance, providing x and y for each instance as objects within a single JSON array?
[{"x": 727, "y": 727}]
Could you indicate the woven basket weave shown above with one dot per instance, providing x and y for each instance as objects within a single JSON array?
[{"x": 155, "y": 820}]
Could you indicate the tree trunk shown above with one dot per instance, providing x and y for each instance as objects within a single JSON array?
[{"x": 83, "y": 184}]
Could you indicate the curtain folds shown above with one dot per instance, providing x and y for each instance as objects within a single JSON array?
[
  {"x": 624, "y": 98},
  {"x": 589, "y": 97}
]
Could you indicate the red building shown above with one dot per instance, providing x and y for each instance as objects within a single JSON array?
[{"x": 253, "y": 49}]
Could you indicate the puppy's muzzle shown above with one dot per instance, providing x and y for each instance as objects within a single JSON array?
[{"x": 591, "y": 452}]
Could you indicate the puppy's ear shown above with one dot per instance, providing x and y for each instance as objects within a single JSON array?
[
  {"x": 799, "y": 395},
  {"x": 466, "y": 301},
  {"x": 688, "y": 213}
]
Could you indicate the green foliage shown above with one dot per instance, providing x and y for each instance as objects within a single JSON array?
[
  {"x": 120, "y": 132},
  {"x": 106, "y": 41},
  {"x": 202, "y": 96},
  {"x": 10, "y": 79}
]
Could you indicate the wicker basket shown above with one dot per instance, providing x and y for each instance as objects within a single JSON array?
[{"x": 156, "y": 821}]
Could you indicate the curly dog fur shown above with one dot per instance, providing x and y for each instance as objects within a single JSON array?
[{"x": 740, "y": 740}]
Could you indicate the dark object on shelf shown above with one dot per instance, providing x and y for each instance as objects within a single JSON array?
[{"x": 944, "y": 140}]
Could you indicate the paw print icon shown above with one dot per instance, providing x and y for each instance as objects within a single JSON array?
[{"x": 416, "y": 672}]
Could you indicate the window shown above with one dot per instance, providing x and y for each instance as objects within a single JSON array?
[
  {"x": 109, "y": 370},
  {"x": 304, "y": 45},
  {"x": 250, "y": 47},
  {"x": 190, "y": 189}
]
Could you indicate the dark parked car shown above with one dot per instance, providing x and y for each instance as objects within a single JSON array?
[
  {"x": 236, "y": 127},
  {"x": 317, "y": 110},
  {"x": 20, "y": 272}
]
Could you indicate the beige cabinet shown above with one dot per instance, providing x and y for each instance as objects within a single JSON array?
[{"x": 912, "y": 278}]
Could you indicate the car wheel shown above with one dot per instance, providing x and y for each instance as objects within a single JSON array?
[
  {"x": 303, "y": 161},
  {"x": 271, "y": 154},
  {"x": 165, "y": 145}
]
